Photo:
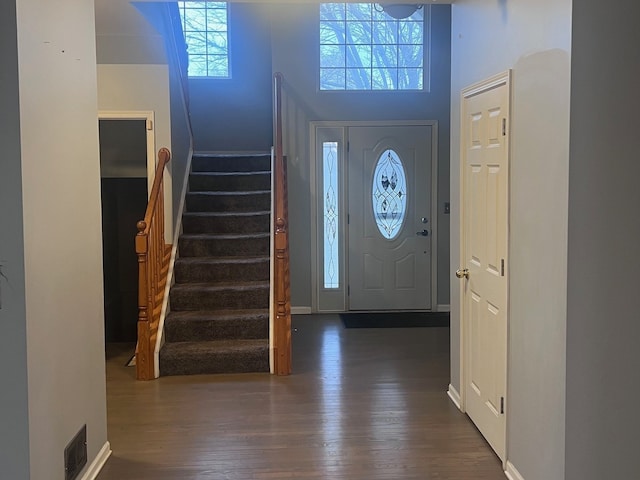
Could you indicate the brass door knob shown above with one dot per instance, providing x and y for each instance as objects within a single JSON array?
[{"x": 462, "y": 272}]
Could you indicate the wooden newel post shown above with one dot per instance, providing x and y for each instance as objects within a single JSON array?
[
  {"x": 281, "y": 289},
  {"x": 143, "y": 353},
  {"x": 282, "y": 307}
]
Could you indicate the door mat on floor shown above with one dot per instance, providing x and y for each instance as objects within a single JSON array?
[{"x": 395, "y": 319}]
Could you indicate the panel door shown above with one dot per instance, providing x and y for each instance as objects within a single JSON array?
[
  {"x": 389, "y": 240},
  {"x": 484, "y": 237}
]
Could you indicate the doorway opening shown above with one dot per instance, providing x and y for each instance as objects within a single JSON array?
[{"x": 126, "y": 144}]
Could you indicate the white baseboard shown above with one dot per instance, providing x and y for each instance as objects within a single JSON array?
[
  {"x": 443, "y": 308},
  {"x": 300, "y": 310},
  {"x": 512, "y": 472},
  {"x": 454, "y": 396},
  {"x": 94, "y": 469}
]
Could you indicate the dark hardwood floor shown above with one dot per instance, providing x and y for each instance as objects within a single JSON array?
[{"x": 362, "y": 404}]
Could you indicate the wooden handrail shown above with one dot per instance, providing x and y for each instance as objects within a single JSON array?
[
  {"x": 282, "y": 289},
  {"x": 152, "y": 272}
]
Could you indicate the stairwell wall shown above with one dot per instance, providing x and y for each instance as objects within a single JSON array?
[
  {"x": 52, "y": 317},
  {"x": 232, "y": 114}
]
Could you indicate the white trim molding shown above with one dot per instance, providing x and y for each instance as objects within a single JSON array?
[
  {"x": 94, "y": 469},
  {"x": 512, "y": 472},
  {"x": 300, "y": 310},
  {"x": 454, "y": 396}
]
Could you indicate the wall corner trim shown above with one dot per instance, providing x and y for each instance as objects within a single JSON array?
[
  {"x": 300, "y": 310},
  {"x": 512, "y": 472},
  {"x": 96, "y": 465},
  {"x": 455, "y": 397}
]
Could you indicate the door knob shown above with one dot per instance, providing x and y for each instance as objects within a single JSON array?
[
  {"x": 462, "y": 272},
  {"x": 424, "y": 233}
]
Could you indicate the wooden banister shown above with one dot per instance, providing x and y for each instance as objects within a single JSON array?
[
  {"x": 282, "y": 290},
  {"x": 151, "y": 250}
]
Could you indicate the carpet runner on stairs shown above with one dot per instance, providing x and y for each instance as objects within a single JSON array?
[{"x": 219, "y": 304}]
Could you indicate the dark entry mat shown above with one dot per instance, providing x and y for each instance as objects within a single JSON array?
[{"x": 395, "y": 319}]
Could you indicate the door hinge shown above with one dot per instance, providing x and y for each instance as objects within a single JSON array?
[
  {"x": 149, "y": 124},
  {"x": 348, "y": 219},
  {"x": 348, "y": 289},
  {"x": 502, "y": 405},
  {"x": 348, "y": 146},
  {"x": 504, "y": 127},
  {"x": 502, "y": 267}
]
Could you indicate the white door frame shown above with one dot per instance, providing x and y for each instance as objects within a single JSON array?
[
  {"x": 149, "y": 118},
  {"x": 313, "y": 179},
  {"x": 503, "y": 78}
]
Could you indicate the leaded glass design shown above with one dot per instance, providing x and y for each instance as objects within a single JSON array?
[
  {"x": 389, "y": 194},
  {"x": 331, "y": 214},
  {"x": 363, "y": 48},
  {"x": 205, "y": 27}
]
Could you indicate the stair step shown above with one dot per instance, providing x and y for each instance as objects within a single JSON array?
[
  {"x": 251, "y": 201},
  {"x": 216, "y": 325},
  {"x": 226, "y": 222},
  {"x": 229, "y": 181},
  {"x": 206, "y": 296},
  {"x": 207, "y": 245},
  {"x": 231, "y": 163},
  {"x": 221, "y": 269},
  {"x": 220, "y": 356}
]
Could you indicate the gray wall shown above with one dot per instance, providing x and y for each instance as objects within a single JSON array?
[
  {"x": 532, "y": 38},
  {"x": 50, "y": 194},
  {"x": 295, "y": 52},
  {"x": 236, "y": 113},
  {"x": 14, "y": 416},
  {"x": 603, "y": 323}
]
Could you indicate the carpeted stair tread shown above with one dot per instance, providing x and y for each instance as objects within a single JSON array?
[
  {"x": 221, "y": 269},
  {"x": 214, "y": 245},
  {"x": 217, "y": 324},
  {"x": 223, "y": 193},
  {"x": 225, "y": 214},
  {"x": 224, "y": 260},
  {"x": 226, "y": 222},
  {"x": 205, "y": 315},
  {"x": 240, "y": 201},
  {"x": 222, "y": 286},
  {"x": 219, "y": 356},
  {"x": 211, "y": 296},
  {"x": 225, "y": 236},
  {"x": 229, "y": 181},
  {"x": 230, "y": 163}
]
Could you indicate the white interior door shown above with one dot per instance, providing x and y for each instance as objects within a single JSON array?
[
  {"x": 485, "y": 111},
  {"x": 389, "y": 231}
]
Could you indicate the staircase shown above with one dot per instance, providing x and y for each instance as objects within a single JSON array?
[{"x": 219, "y": 319}]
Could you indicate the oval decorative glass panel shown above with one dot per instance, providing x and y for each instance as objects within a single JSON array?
[{"x": 389, "y": 194}]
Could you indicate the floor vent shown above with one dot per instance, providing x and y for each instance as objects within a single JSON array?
[{"x": 75, "y": 455}]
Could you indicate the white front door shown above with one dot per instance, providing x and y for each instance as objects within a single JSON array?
[
  {"x": 484, "y": 235},
  {"x": 389, "y": 227}
]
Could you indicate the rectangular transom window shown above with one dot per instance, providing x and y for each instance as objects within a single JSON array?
[
  {"x": 363, "y": 48},
  {"x": 205, "y": 27}
]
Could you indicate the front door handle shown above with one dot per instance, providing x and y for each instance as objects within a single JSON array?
[
  {"x": 462, "y": 273},
  {"x": 424, "y": 233}
]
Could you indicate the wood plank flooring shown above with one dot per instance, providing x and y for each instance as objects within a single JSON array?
[{"x": 362, "y": 404}]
